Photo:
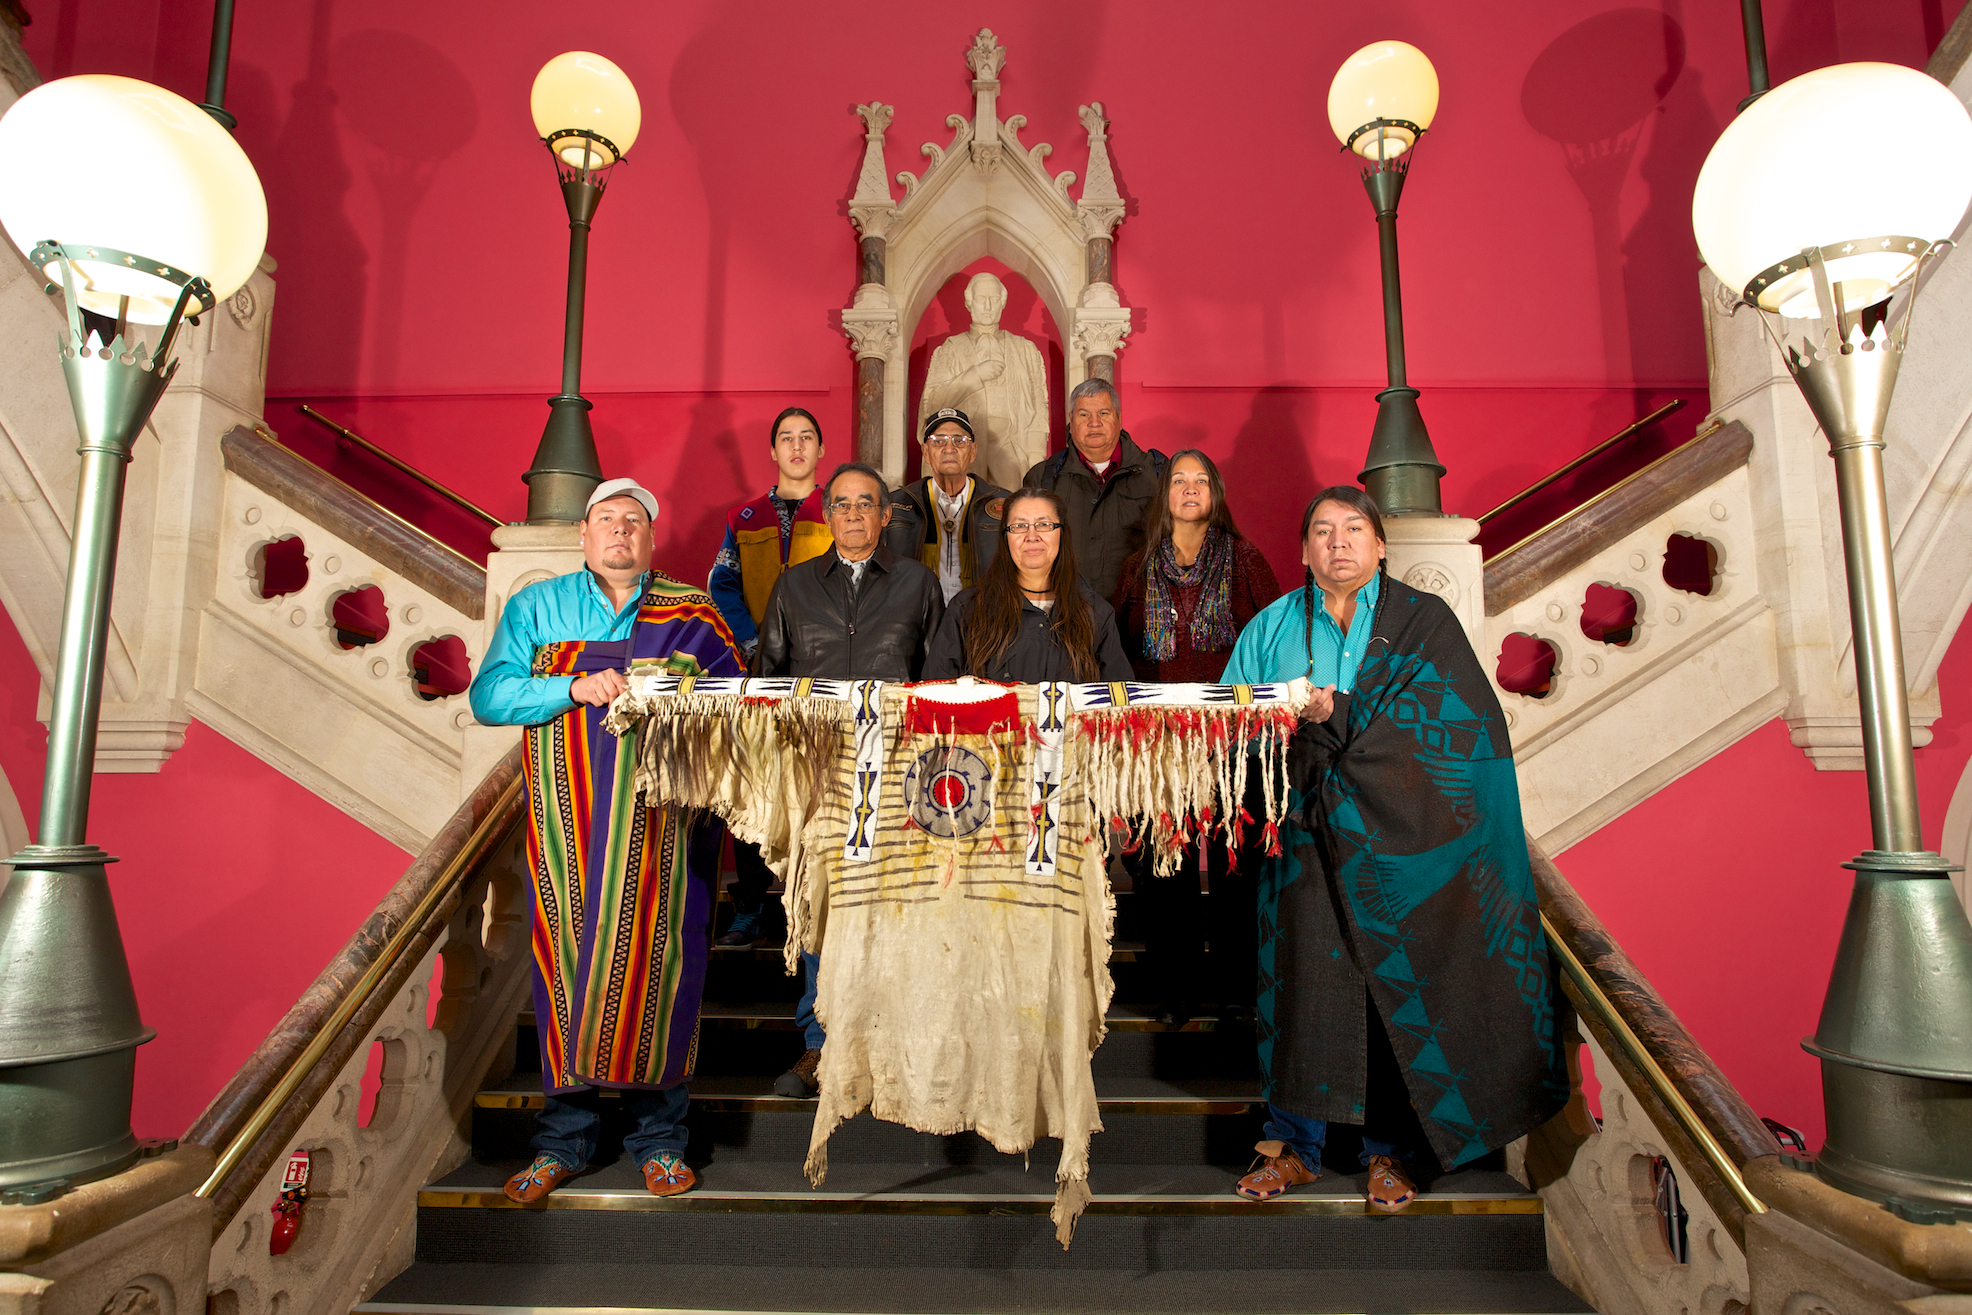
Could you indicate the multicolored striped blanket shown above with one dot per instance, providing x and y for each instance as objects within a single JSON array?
[{"x": 623, "y": 890}]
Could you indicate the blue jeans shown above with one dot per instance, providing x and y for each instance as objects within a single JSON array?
[
  {"x": 1306, "y": 1137},
  {"x": 804, "y": 1013},
  {"x": 568, "y": 1124}
]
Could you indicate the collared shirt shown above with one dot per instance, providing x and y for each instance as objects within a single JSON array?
[
  {"x": 1103, "y": 471},
  {"x": 951, "y": 512},
  {"x": 567, "y": 608},
  {"x": 1278, "y": 645}
]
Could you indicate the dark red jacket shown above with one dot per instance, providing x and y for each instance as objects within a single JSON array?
[{"x": 1253, "y": 587}]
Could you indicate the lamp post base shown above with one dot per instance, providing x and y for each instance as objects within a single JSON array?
[
  {"x": 566, "y": 469},
  {"x": 1895, "y": 1040},
  {"x": 69, "y": 1027},
  {"x": 1402, "y": 470},
  {"x": 1897, "y": 1139}
]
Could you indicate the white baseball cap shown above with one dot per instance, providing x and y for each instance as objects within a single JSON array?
[{"x": 622, "y": 488}]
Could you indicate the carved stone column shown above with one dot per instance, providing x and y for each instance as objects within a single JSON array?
[
  {"x": 871, "y": 322},
  {"x": 873, "y": 336},
  {"x": 1101, "y": 321}
]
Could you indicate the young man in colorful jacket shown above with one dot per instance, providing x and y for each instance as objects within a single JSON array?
[{"x": 783, "y": 527}]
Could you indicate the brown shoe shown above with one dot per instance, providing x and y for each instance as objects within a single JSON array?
[
  {"x": 1277, "y": 1169},
  {"x": 804, "y": 1080},
  {"x": 538, "y": 1179},
  {"x": 667, "y": 1175},
  {"x": 1388, "y": 1190}
]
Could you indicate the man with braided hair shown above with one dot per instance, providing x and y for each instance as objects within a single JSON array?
[{"x": 1402, "y": 962}]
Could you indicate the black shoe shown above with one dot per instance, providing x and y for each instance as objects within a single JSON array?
[
  {"x": 744, "y": 932},
  {"x": 1174, "y": 1016},
  {"x": 803, "y": 1081}
]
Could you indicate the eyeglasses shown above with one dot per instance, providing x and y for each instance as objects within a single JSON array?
[
  {"x": 947, "y": 440},
  {"x": 863, "y": 506},
  {"x": 1018, "y": 528}
]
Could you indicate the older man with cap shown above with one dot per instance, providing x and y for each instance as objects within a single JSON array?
[
  {"x": 622, "y": 892},
  {"x": 958, "y": 514}
]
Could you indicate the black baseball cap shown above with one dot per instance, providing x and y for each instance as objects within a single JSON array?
[{"x": 951, "y": 413}]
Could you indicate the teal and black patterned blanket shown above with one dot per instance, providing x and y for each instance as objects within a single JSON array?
[{"x": 1403, "y": 885}]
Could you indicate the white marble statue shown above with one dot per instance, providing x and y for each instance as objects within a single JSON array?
[{"x": 999, "y": 380}]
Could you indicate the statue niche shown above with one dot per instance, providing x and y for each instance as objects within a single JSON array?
[{"x": 999, "y": 380}]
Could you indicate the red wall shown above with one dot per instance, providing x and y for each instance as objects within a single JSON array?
[
  {"x": 1550, "y": 300},
  {"x": 235, "y": 886}
]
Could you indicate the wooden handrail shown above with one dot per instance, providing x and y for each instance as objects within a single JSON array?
[
  {"x": 457, "y": 499},
  {"x": 1626, "y": 431},
  {"x": 1694, "y": 1106},
  {"x": 1530, "y": 565},
  {"x": 439, "y": 569},
  {"x": 251, "y": 1122}
]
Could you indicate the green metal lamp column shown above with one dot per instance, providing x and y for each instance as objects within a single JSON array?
[
  {"x": 566, "y": 469},
  {"x": 1402, "y": 470},
  {"x": 1895, "y": 1036},
  {"x": 69, "y": 1026}
]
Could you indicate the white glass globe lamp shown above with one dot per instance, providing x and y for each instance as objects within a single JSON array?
[
  {"x": 1388, "y": 80},
  {"x": 586, "y": 110},
  {"x": 141, "y": 188},
  {"x": 1870, "y": 163}
]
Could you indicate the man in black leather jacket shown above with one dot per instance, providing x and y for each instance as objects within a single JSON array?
[{"x": 857, "y": 612}]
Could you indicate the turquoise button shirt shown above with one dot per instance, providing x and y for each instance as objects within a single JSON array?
[
  {"x": 1275, "y": 644},
  {"x": 567, "y": 608}
]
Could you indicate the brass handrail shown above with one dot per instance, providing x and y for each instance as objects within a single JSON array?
[
  {"x": 458, "y": 499},
  {"x": 1577, "y": 463},
  {"x": 1653, "y": 1072},
  {"x": 470, "y": 853}
]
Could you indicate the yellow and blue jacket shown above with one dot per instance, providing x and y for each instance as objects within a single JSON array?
[{"x": 760, "y": 544}]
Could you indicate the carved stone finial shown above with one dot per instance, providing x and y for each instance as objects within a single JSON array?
[
  {"x": 873, "y": 184},
  {"x": 1099, "y": 183},
  {"x": 986, "y": 55}
]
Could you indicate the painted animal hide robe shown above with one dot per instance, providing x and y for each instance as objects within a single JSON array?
[
  {"x": 944, "y": 854},
  {"x": 623, "y": 891},
  {"x": 1403, "y": 885}
]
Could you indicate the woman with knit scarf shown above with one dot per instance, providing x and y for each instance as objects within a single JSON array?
[{"x": 1180, "y": 605}]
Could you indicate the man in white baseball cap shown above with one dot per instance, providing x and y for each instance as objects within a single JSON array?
[{"x": 560, "y": 655}]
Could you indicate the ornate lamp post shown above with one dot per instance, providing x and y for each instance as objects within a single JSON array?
[
  {"x": 588, "y": 116},
  {"x": 1382, "y": 100},
  {"x": 137, "y": 207},
  {"x": 1820, "y": 204}
]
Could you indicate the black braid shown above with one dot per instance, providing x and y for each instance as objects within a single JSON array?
[{"x": 1308, "y": 595}]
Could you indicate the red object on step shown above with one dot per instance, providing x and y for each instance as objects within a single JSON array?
[{"x": 287, "y": 1210}]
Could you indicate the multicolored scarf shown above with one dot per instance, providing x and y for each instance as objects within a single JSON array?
[
  {"x": 622, "y": 891},
  {"x": 1211, "y": 622}
]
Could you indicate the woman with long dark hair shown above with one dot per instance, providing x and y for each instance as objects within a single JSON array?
[
  {"x": 1180, "y": 605},
  {"x": 1030, "y": 618},
  {"x": 1409, "y": 989}
]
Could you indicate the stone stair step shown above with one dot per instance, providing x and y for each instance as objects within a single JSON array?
[
  {"x": 961, "y": 1287},
  {"x": 995, "y": 1184}
]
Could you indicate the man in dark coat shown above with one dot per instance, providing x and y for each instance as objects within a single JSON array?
[
  {"x": 857, "y": 612},
  {"x": 957, "y": 514},
  {"x": 1105, "y": 481}
]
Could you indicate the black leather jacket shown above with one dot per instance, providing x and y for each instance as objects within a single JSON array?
[
  {"x": 1035, "y": 654},
  {"x": 813, "y": 628}
]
